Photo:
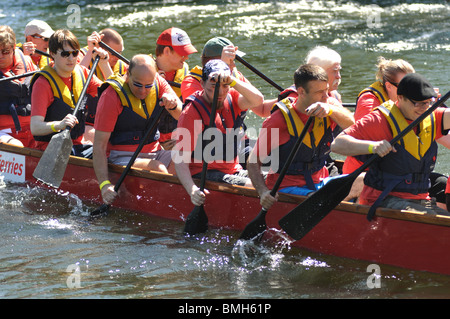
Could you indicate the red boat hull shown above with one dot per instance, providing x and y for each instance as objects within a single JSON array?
[{"x": 405, "y": 239}]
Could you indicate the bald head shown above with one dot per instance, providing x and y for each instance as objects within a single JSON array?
[{"x": 141, "y": 75}]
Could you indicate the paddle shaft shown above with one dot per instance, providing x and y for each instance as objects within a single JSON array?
[
  {"x": 124, "y": 59},
  {"x": 15, "y": 77},
  {"x": 43, "y": 53},
  {"x": 85, "y": 87},
  {"x": 260, "y": 74},
  {"x": 212, "y": 118}
]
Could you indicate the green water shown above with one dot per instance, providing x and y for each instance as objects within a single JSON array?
[{"x": 129, "y": 256}]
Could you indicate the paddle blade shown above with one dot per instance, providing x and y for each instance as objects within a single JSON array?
[
  {"x": 52, "y": 165},
  {"x": 299, "y": 221},
  {"x": 100, "y": 211},
  {"x": 256, "y": 228},
  {"x": 197, "y": 221}
]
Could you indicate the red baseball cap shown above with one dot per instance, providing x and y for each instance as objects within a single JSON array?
[{"x": 178, "y": 40}]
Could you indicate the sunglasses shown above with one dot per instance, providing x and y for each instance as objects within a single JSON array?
[
  {"x": 139, "y": 85},
  {"x": 65, "y": 54},
  {"x": 6, "y": 51},
  {"x": 40, "y": 37},
  {"x": 422, "y": 104}
]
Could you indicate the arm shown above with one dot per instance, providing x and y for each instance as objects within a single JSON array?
[
  {"x": 100, "y": 162},
  {"x": 339, "y": 114},
  {"x": 264, "y": 109},
  {"x": 345, "y": 144},
  {"x": 169, "y": 99},
  {"x": 254, "y": 172},
  {"x": 39, "y": 127},
  {"x": 249, "y": 96}
]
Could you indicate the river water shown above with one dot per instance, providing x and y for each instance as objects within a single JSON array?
[{"x": 51, "y": 249}]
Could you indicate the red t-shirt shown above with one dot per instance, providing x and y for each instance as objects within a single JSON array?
[
  {"x": 375, "y": 127},
  {"x": 42, "y": 97},
  {"x": 264, "y": 142},
  {"x": 109, "y": 107},
  {"x": 191, "y": 121}
]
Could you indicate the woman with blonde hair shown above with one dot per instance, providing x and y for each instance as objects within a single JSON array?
[{"x": 389, "y": 74}]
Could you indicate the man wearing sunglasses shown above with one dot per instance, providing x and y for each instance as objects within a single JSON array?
[
  {"x": 14, "y": 94},
  {"x": 37, "y": 34},
  {"x": 401, "y": 178},
  {"x": 126, "y": 109},
  {"x": 55, "y": 93}
]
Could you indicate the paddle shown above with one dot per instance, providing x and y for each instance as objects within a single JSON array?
[
  {"x": 105, "y": 207},
  {"x": 52, "y": 165},
  {"x": 299, "y": 221},
  {"x": 260, "y": 74},
  {"x": 257, "y": 226},
  {"x": 15, "y": 77},
  {"x": 197, "y": 220}
]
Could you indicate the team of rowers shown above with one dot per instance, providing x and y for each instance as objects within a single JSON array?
[{"x": 122, "y": 99}]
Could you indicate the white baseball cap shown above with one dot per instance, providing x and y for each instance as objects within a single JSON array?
[{"x": 38, "y": 27}]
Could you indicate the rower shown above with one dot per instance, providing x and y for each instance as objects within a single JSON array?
[
  {"x": 114, "y": 66},
  {"x": 173, "y": 48},
  {"x": 193, "y": 145},
  {"x": 222, "y": 48},
  {"x": 37, "y": 34},
  {"x": 308, "y": 170},
  {"x": 14, "y": 94},
  {"x": 125, "y": 109},
  {"x": 401, "y": 178},
  {"x": 55, "y": 93}
]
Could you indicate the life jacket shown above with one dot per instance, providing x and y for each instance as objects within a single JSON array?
[
  {"x": 376, "y": 89},
  {"x": 65, "y": 100},
  {"x": 132, "y": 123},
  {"x": 313, "y": 153},
  {"x": 15, "y": 98},
  {"x": 288, "y": 92},
  {"x": 407, "y": 170},
  {"x": 227, "y": 132},
  {"x": 167, "y": 123}
]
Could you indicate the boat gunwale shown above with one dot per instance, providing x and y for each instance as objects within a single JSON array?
[{"x": 419, "y": 217}]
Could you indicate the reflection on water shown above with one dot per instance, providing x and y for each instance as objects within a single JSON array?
[{"x": 127, "y": 255}]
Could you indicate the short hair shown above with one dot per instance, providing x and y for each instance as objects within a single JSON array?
[
  {"x": 60, "y": 38},
  {"x": 322, "y": 56},
  {"x": 388, "y": 69},
  {"x": 309, "y": 72},
  {"x": 111, "y": 36},
  {"x": 7, "y": 36},
  {"x": 160, "y": 49}
]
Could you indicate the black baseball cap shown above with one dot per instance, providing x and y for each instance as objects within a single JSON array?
[{"x": 415, "y": 87}]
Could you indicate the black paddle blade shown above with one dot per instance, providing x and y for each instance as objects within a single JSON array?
[
  {"x": 197, "y": 221},
  {"x": 256, "y": 228},
  {"x": 100, "y": 211},
  {"x": 299, "y": 221}
]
